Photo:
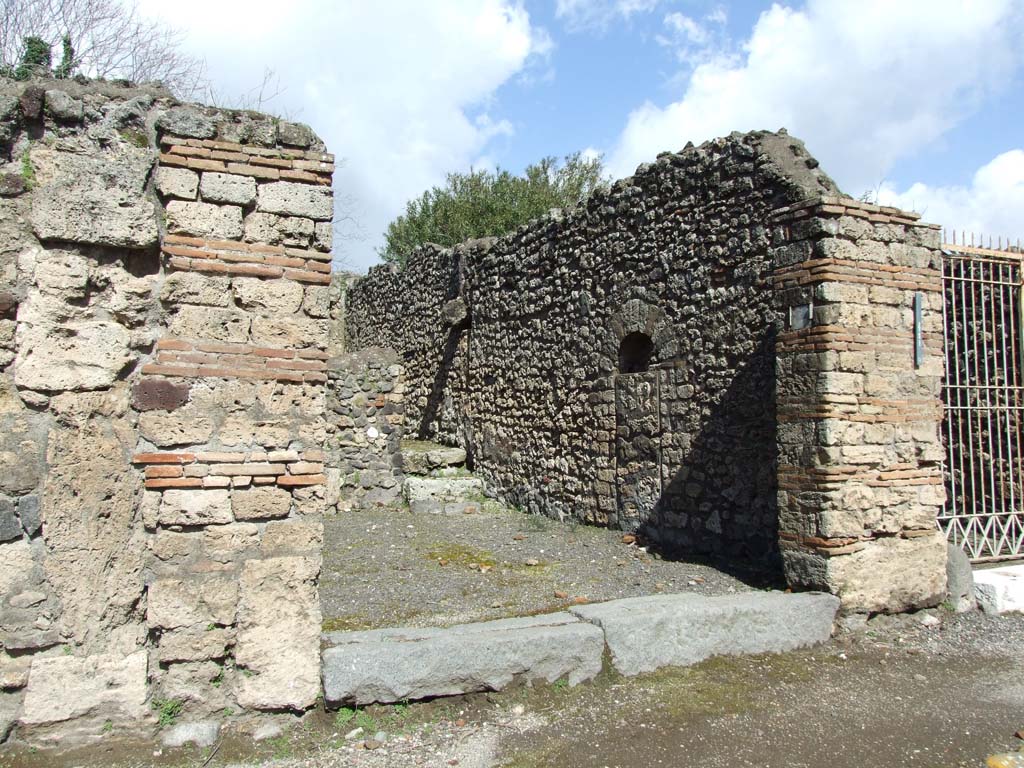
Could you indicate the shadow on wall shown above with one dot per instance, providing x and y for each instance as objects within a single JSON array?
[{"x": 718, "y": 501}]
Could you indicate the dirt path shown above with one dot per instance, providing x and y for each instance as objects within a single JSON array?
[{"x": 390, "y": 567}]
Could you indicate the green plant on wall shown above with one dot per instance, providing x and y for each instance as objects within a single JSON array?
[{"x": 35, "y": 59}]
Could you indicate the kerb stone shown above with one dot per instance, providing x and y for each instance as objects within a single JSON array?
[
  {"x": 646, "y": 633},
  {"x": 390, "y": 665}
]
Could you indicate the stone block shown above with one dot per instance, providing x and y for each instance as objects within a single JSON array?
[
  {"x": 202, "y": 734},
  {"x": 433, "y": 494},
  {"x": 278, "y": 638},
  {"x": 392, "y": 665},
  {"x": 269, "y": 297},
  {"x": 272, "y": 229},
  {"x": 104, "y": 686},
  {"x": 292, "y": 537},
  {"x": 159, "y": 395},
  {"x": 194, "y": 288},
  {"x": 261, "y": 503},
  {"x": 28, "y": 512},
  {"x": 224, "y": 543},
  {"x": 959, "y": 580},
  {"x": 14, "y": 671},
  {"x": 228, "y": 188},
  {"x": 177, "y": 182},
  {"x": 220, "y": 222},
  {"x": 10, "y": 528},
  {"x": 183, "y": 427},
  {"x": 1000, "y": 590},
  {"x": 290, "y": 332},
  {"x": 187, "y": 122},
  {"x": 295, "y": 134},
  {"x": 79, "y": 356},
  {"x": 96, "y": 199},
  {"x": 195, "y": 507},
  {"x": 196, "y": 602},
  {"x": 290, "y": 199},
  {"x": 193, "y": 644},
  {"x": 210, "y": 324},
  {"x": 646, "y": 633}
]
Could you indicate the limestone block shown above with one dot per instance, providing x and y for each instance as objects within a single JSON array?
[
  {"x": 278, "y": 636},
  {"x": 210, "y": 324},
  {"x": 191, "y": 682},
  {"x": 28, "y": 512},
  {"x": 111, "y": 687},
  {"x": 194, "y": 288},
  {"x": 177, "y": 182},
  {"x": 646, "y": 633},
  {"x": 171, "y": 545},
  {"x": 291, "y": 199},
  {"x": 269, "y": 297},
  {"x": 187, "y": 122},
  {"x": 295, "y": 134},
  {"x": 62, "y": 273},
  {"x": 272, "y": 229},
  {"x": 1000, "y": 590},
  {"x": 221, "y": 222},
  {"x": 324, "y": 235},
  {"x": 290, "y": 537},
  {"x": 14, "y": 671},
  {"x": 391, "y": 665},
  {"x": 193, "y": 644},
  {"x": 15, "y": 566},
  {"x": 183, "y": 427},
  {"x": 78, "y": 356},
  {"x": 228, "y": 188},
  {"x": 198, "y": 602},
  {"x": 290, "y": 332},
  {"x": 317, "y": 302},
  {"x": 261, "y": 503},
  {"x": 202, "y": 734},
  {"x": 195, "y": 507},
  {"x": 96, "y": 199},
  {"x": 227, "y": 543}
]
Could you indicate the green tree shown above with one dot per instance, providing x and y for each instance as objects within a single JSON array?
[
  {"x": 35, "y": 58},
  {"x": 486, "y": 203}
]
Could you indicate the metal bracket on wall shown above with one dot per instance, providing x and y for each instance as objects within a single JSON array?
[{"x": 918, "y": 335}]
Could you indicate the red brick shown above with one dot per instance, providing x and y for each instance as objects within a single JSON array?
[
  {"x": 164, "y": 470},
  {"x": 307, "y": 277},
  {"x": 313, "y": 354},
  {"x": 285, "y": 261},
  {"x": 259, "y": 172},
  {"x": 264, "y": 480},
  {"x": 185, "y": 240},
  {"x": 173, "y": 160},
  {"x": 151, "y": 369},
  {"x": 306, "y": 468},
  {"x": 313, "y": 456},
  {"x": 303, "y": 176},
  {"x": 187, "y": 252},
  {"x": 319, "y": 266},
  {"x": 175, "y": 344},
  {"x": 294, "y": 480},
  {"x": 220, "y": 456},
  {"x": 229, "y": 146},
  {"x": 248, "y": 468},
  {"x": 216, "y": 482},
  {"x": 275, "y": 162},
  {"x": 224, "y": 349},
  {"x": 179, "y": 149},
  {"x": 198, "y": 164},
  {"x": 174, "y": 482},
  {"x": 315, "y": 378},
  {"x": 253, "y": 270},
  {"x": 221, "y": 154},
  {"x": 298, "y": 365},
  {"x": 186, "y": 265},
  {"x": 163, "y": 458},
  {"x": 286, "y": 354}
]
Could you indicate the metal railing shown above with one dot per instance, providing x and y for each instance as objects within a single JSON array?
[{"x": 984, "y": 400}]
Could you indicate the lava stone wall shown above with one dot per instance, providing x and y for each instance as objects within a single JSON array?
[{"x": 511, "y": 348}]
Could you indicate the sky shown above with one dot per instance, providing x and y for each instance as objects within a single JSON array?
[{"x": 919, "y": 103}]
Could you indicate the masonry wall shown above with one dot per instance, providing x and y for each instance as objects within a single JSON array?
[
  {"x": 511, "y": 349},
  {"x": 859, "y": 375},
  {"x": 164, "y": 283}
]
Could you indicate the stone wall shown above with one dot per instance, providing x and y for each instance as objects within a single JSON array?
[
  {"x": 717, "y": 352},
  {"x": 164, "y": 289},
  {"x": 366, "y": 394},
  {"x": 512, "y": 349}
]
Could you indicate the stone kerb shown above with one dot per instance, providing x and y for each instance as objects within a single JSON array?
[{"x": 858, "y": 373}]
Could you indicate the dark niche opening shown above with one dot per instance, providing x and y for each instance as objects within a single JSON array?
[{"x": 635, "y": 353}]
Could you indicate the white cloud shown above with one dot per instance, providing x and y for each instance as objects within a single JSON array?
[
  {"x": 863, "y": 82},
  {"x": 993, "y": 203},
  {"x": 399, "y": 90},
  {"x": 581, "y": 15},
  {"x": 696, "y": 41}
]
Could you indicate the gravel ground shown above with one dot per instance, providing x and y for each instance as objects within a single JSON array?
[{"x": 389, "y": 567}]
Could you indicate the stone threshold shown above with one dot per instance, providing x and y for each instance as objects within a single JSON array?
[
  {"x": 640, "y": 635},
  {"x": 1000, "y": 590}
]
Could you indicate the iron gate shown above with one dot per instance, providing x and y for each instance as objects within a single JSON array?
[{"x": 984, "y": 402}]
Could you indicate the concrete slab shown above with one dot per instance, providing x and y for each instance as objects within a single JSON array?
[
  {"x": 646, "y": 633},
  {"x": 1000, "y": 590},
  {"x": 389, "y": 665}
]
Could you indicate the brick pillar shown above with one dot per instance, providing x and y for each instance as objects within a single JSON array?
[{"x": 859, "y": 366}]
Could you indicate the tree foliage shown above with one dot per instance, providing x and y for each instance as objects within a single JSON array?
[
  {"x": 486, "y": 203},
  {"x": 98, "y": 38}
]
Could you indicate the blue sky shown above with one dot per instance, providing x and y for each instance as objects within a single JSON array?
[{"x": 919, "y": 101}]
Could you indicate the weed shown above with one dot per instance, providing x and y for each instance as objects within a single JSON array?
[
  {"x": 357, "y": 718},
  {"x": 167, "y": 711},
  {"x": 135, "y": 138},
  {"x": 28, "y": 172},
  {"x": 560, "y": 684},
  {"x": 458, "y": 554},
  {"x": 282, "y": 747},
  {"x": 108, "y": 726},
  {"x": 227, "y": 712},
  {"x": 218, "y": 679}
]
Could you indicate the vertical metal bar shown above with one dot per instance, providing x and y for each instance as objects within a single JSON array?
[
  {"x": 949, "y": 513},
  {"x": 974, "y": 421},
  {"x": 985, "y": 393},
  {"x": 918, "y": 333}
]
